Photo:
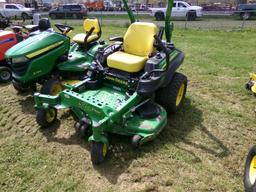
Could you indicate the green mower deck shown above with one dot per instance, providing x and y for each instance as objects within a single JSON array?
[{"x": 109, "y": 111}]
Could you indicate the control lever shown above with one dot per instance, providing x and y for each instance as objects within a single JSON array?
[
  {"x": 87, "y": 36},
  {"x": 162, "y": 47}
]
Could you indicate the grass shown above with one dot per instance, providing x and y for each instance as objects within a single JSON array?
[{"x": 202, "y": 148}]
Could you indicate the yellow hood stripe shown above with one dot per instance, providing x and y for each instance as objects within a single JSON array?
[{"x": 36, "y": 53}]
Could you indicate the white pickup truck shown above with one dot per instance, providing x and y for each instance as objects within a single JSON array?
[
  {"x": 179, "y": 9},
  {"x": 15, "y": 10}
]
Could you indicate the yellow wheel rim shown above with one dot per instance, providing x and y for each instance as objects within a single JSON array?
[
  {"x": 252, "y": 172},
  {"x": 56, "y": 89},
  {"x": 50, "y": 115},
  {"x": 180, "y": 94},
  {"x": 104, "y": 150}
]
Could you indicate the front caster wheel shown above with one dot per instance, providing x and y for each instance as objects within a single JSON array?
[
  {"x": 250, "y": 171},
  {"x": 46, "y": 117},
  {"x": 98, "y": 152},
  {"x": 82, "y": 127}
]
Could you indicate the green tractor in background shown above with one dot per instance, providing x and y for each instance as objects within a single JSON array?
[
  {"x": 131, "y": 87},
  {"x": 49, "y": 58}
]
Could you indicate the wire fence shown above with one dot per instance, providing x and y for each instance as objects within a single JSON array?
[{"x": 211, "y": 22}]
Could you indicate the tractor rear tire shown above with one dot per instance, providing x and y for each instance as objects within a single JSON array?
[
  {"x": 172, "y": 96},
  {"x": 20, "y": 88},
  {"x": 46, "y": 117},
  {"x": 250, "y": 171},
  {"x": 5, "y": 74},
  {"x": 98, "y": 152},
  {"x": 52, "y": 87}
]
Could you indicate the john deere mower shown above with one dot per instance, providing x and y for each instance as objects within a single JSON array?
[
  {"x": 7, "y": 40},
  {"x": 251, "y": 84},
  {"x": 130, "y": 88},
  {"x": 250, "y": 171},
  {"x": 48, "y": 58}
]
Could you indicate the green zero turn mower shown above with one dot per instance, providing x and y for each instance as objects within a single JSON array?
[
  {"x": 131, "y": 86},
  {"x": 250, "y": 171},
  {"x": 49, "y": 57}
]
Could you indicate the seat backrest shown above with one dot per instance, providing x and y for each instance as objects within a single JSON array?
[
  {"x": 44, "y": 24},
  {"x": 89, "y": 23},
  {"x": 139, "y": 39}
]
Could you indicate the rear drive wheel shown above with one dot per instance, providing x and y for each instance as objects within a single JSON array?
[
  {"x": 250, "y": 171},
  {"x": 52, "y": 87},
  {"x": 46, "y": 117},
  {"x": 172, "y": 96},
  {"x": 5, "y": 74},
  {"x": 159, "y": 16},
  {"x": 98, "y": 152}
]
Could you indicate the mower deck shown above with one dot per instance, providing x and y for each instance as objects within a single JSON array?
[{"x": 109, "y": 109}]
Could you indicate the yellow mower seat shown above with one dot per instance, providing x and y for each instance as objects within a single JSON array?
[
  {"x": 79, "y": 38},
  {"x": 88, "y": 24},
  {"x": 126, "y": 61},
  {"x": 138, "y": 46}
]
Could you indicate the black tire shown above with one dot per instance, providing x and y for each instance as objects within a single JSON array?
[
  {"x": 77, "y": 126},
  {"x": 53, "y": 16},
  {"x": 191, "y": 16},
  {"x": 245, "y": 16},
  {"x": 5, "y": 74},
  {"x": 20, "y": 88},
  {"x": 250, "y": 171},
  {"x": 25, "y": 16},
  {"x": 52, "y": 87},
  {"x": 98, "y": 152},
  {"x": 170, "y": 96},
  {"x": 159, "y": 16},
  {"x": 82, "y": 127},
  {"x": 46, "y": 117},
  {"x": 136, "y": 141},
  {"x": 83, "y": 132}
]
